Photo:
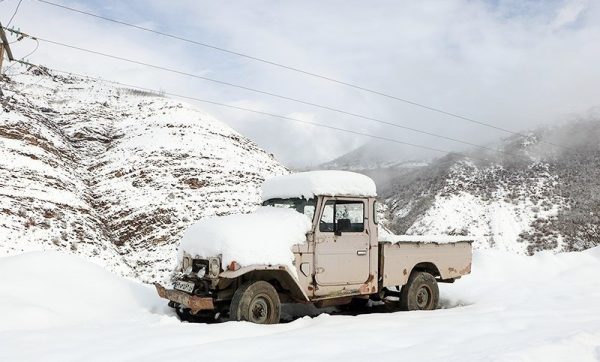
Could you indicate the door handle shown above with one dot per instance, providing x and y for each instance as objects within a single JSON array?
[{"x": 361, "y": 252}]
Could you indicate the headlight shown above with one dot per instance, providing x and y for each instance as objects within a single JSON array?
[
  {"x": 201, "y": 272},
  {"x": 215, "y": 267},
  {"x": 188, "y": 270},
  {"x": 186, "y": 263}
]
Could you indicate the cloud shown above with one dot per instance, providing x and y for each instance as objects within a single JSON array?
[{"x": 515, "y": 64}]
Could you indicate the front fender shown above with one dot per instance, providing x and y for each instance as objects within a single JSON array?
[{"x": 279, "y": 272}]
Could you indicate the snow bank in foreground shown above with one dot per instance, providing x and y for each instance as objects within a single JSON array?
[
  {"x": 44, "y": 289},
  {"x": 511, "y": 308},
  {"x": 309, "y": 184},
  {"x": 263, "y": 237}
]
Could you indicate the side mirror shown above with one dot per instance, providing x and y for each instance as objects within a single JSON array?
[{"x": 342, "y": 225}]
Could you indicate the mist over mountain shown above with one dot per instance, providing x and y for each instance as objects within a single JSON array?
[
  {"x": 382, "y": 161},
  {"x": 540, "y": 193}
]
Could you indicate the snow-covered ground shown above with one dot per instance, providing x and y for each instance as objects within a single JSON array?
[{"x": 57, "y": 307}]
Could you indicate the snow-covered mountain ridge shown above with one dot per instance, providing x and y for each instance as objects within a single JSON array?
[
  {"x": 535, "y": 197},
  {"x": 532, "y": 197},
  {"x": 115, "y": 174}
]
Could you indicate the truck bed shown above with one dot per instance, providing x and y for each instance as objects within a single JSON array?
[{"x": 447, "y": 256}]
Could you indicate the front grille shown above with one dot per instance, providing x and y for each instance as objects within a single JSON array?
[
  {"x": 202, "y": 288},
  {"x": 197, "y": 264}
]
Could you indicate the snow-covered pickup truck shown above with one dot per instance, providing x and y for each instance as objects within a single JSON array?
[{"x": 314, "y": 240}]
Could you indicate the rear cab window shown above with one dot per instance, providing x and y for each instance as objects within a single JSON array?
[{"x": 303, "y": 206}]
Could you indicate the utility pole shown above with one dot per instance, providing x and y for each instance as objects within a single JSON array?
[{"x": 4, "y": 46}]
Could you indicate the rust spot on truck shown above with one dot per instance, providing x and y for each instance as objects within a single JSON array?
[
  {"x": 365, "y": 289},
  {"x": 193, "y": 302},
  {"x": 405, "y": 271},
  {"x": 451, "y": 270},
  {"x": 466, "y": 270}
]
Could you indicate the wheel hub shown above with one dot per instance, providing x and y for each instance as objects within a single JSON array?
[
  {"x": 259, "y": 310},
  {"x": 423, "y": 296}
]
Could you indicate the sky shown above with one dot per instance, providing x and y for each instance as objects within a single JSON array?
[{"x": 516, "y": 64}]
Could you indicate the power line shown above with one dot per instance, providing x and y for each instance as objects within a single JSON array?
[
  {"x": 273, "y": 115},
  {"x": 15, "y": 13},
  {"x": 299, "y": 70},
  {"x": 265, "y": 93}
]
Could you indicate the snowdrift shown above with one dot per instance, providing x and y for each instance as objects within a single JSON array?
[
  {"x": 511, "y": 308},
  {"x": 44, "y": 289},
  {"x": 265, "y": 236}
]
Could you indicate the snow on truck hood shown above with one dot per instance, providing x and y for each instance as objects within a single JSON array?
[
  {"x": 265, "y": 236},
  {"x": 309, "y": 184}
]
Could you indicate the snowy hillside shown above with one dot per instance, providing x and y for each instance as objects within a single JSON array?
[
  {"x": 115, "y": 174},
  {"x": 533, "y": 197},
  {"x": 512, "y": 308},
  {"x": 539, "y": 197}
]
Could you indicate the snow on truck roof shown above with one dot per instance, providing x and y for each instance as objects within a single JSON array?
[{"x": 313, "y": 183}]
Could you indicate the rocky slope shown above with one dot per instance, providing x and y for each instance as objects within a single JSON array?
[
  {"x": 115, "y": 174},
  {"x": 540, "y": 197}
]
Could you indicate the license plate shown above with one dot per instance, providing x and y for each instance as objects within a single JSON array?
[{"x": 184, "y": 286}]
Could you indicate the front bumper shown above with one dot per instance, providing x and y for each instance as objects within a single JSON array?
[{"x": 194, "y": 303}]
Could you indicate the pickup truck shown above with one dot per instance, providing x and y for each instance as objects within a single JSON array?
[{"x": 340, "y": 260}]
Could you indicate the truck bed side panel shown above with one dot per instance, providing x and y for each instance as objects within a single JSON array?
[{"x": 398, "y": 260}]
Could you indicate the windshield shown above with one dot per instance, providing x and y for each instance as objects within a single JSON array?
[{"x": 303, "y": 206}]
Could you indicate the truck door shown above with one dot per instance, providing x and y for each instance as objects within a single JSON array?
[{"x": 342, "y": 244}]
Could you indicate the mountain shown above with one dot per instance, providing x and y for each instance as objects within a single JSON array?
[
  {"x": 115, "y": 174},
  {"x": 542, "y": 192},
  {"x": 381, "y": 161}
]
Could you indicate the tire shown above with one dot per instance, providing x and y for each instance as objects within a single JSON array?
[
  {"x": 256, "y": 302},
  {"x": 183, "y": 314},
  {"x": 421, "y": 292}
]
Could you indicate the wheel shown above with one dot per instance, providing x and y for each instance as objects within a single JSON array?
[
  {"x": 256, "y": 302},
  {"x": 183, "y": 314},
  {"x": 420, "y": 292}
]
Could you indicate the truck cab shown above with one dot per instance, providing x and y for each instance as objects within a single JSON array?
[{"x": 341, "y": 255}]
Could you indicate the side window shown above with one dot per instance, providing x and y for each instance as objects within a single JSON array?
[
  {"x": 343, "y": 216},
  {"x": 327, "y": 221}
]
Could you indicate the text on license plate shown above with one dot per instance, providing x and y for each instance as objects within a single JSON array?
[{"x": 184, "y": 286}]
